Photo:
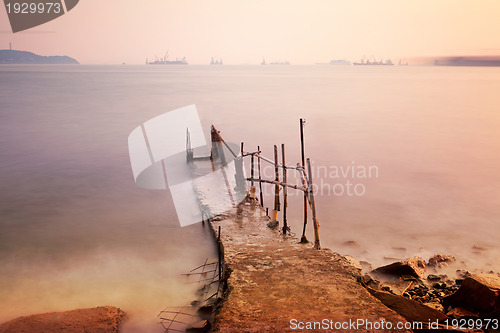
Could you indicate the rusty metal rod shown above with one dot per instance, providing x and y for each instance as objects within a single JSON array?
[
  {"x": 285, "y": 226},
  {"x": 303, "y": 239},
  {"x": 279, "y": 165},
  {"x": 273, "y": 182},
  {"x": 260, "y": 183},
  {"x": 313, "y": 206},
  {"x": 276, "y": 179},
  {"x": 251, "y": 153}
]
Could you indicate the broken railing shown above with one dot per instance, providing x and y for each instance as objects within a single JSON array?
[
  {"x": 197, "y": 315},
  {"x": 303, "y": 169}
]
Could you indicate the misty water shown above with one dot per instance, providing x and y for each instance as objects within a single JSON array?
[{"x": 419, "y": 146}]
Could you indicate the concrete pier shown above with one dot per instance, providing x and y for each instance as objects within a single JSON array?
[{"x": 276, "y": 284}]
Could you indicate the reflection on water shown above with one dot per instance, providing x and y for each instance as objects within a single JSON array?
[{"x": 77, "y": 232}]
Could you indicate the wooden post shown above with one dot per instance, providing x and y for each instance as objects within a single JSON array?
[
  {"x": 276, "y": 187},
  {"x": 313, "y": 206},
  {"x": 252, "y": 185},
  {"x": 239, "y": 176},
  {"x": 285, "y": 226},
  {"x": 260, "y": 178},
  {"x": 217, "y": 146},
  {"x": 189, "y": 150},
  {"x": 303, "y": 239}
]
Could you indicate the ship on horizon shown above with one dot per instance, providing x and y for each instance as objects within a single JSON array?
[
  {"x": 374, "y": 62},
  {"x": 337, "y": 62},
  {"x": 165, "y": 61},
  {"x": 216, "y": 62},
  {"x": 274, "y": 62}
]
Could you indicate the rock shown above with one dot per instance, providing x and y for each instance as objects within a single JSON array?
[
  {"x": 432, "y": 277},
  {"x": 200, "y": 326},
  {"x": 273, "y": 224},
  {"x": 478, "y": 293},
  {"x": 205, "y": 309},
  {"x": 436, "y": 306},
  {"x": 399, "y": 249},
  {"x": 366, "y": 266},
  {"x": 388, "y": 289},
  {"x": 439, "y": 285},
  {"x": 374, "y": 284},
  {"x": 408, "y": 308},
  {"x": 459, "y": 312},
  {"x": 351, "y": 243},
  {"x": 480, "y": 247},
  {"x": 414, "y": 266},
  {"x": 354, "y": 262},
  {"x": 441, "y": 260},
  {"x": 367, "y": 280},
  {"x": 99, "y": 319},
  {"x": 462, "y": 274}
]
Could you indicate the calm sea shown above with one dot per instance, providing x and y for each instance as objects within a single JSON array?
[{"x": 406, "y": 160}]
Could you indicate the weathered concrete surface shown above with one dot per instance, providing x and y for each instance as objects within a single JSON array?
[{"x": 275, "y": 280}]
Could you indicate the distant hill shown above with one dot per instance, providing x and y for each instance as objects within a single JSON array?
[{"x": 25, "y": 57}]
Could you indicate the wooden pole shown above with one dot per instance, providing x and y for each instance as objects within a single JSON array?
[
  {"x": 260, "y": 183},
  {"x": 252, "y": 185},
  {"x": 239, "y": 176},
  {"x": 276, "y": 187},
  {"x": 285, "y": 225},
  {"x": 313, "y": 206},
  {"x": 303, "y": 239}
]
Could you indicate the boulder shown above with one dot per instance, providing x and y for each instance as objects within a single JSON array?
[
  {"x": 414, "y": 266},
  {"x": 367, "y": 280},
  {"x": 99, "y": 319},
  {"x": 354, "y": 262},
  {"x": 458, "y": 313},
  {"x": 436, "y": 306},
  {"x": 441, "y": 260},
  {"x": 411, "y": 310},
  {"x": 477, "y": 293},
  {"x": 432, "y": 277},
  {"x": 366, "y": 266},
  {"x": 200, "y": 326}
]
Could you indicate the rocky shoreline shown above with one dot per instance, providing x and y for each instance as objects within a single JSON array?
[
  {"x": 102, "y": 319},
  {"x": 439, "y": 292}
]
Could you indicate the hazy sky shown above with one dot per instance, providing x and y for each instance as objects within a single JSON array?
[{"x": 245, "y": 31}]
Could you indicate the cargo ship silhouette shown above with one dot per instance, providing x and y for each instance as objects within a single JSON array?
[{"x": 165, "y": 61}]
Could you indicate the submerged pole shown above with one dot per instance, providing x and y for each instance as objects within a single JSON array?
[
  {"x": 303, "y": 239},
  {"x": 285, "y": 225},
  {"x": 313, "y": 206}
]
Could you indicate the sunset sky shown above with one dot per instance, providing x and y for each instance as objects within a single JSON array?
[{"x": 243, "y": 32}]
